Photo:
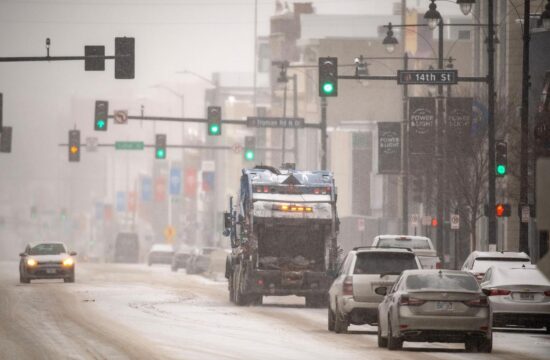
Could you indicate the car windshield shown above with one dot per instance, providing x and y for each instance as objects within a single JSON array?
[
  {"x": 384, "y": 263},
  {"x": 442, "y": 281},
  {"x": 48, "y": 249},
  {"x": 418, "y": 244},
  {"x": 482, "y": 264}
]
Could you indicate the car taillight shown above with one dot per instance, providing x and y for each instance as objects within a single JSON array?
[
  {"x": 409, "y": 301},
  {"x": 499, "y": 292},
  {"x": 438, "y": 265},
  {"x": 481, "y": 302},
  {"x": 547, "y": 293},
  {"x": 347, "y": 287}
]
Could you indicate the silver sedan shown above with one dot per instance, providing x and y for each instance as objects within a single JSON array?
[
  {"x": 435, "y": 306},
  {"x": 518, "y": 296}
]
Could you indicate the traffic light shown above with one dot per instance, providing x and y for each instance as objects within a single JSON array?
[
  {"x": 249, "y": 148},
  {"x": 101, "y": 115},
  {"x": 5, "y": 139},
  {"x": 124, "y": 58},
  {"x": 501, "y": 158},
  {"x": 160, "y": 146},
  {"x": 74, "y": 145},
  {"x": 92, "y": 61},
  {"x": 214, "y": 120},
  {"x": 503, "y": 210},
  {"x": 328, "y": 76}
]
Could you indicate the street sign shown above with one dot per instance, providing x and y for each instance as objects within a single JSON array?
[
  {"x": 455, "y": 222},
  {"x": 129, "y": 145},
  {"x": 525, "y": 214},
  {"x": 274, "y": 122},
  {"x": 169, "y": 233},
  {"x": 175, "y": 181},
  {"x": 426, "y": 220},
  {"x": 360, "y": 224},
  {"x": 413, "y": 219},
  {"x": 121, "y": 116},
  {"x": 208, "y": 165},
  {"x": 91, "y": 144},
  {"x": 427, "y": 77}
]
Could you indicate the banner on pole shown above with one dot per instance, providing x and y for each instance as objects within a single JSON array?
[
  {"x": 422, "y": 120},
  {"x": 389, "y": 148}
]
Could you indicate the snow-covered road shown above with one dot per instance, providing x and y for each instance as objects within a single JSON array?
[{"x": 136, "y": 312}]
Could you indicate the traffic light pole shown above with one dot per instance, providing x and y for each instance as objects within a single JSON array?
[
  {"x": 323, "y": 133},
  {"x": 524, "y": 159},
  {"x": 492, "y": 226},
  {"x": 405, "y": 153}
]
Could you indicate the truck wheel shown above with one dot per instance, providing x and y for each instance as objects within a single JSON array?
[
  {"x": 257, "y": 300},
  {"x": 70, "y": 279},
  {"x": 231, "y": 287},
  {"x": 340, "y": 322},
  {"x": 240, "y": 298},
  {"x": 23, "y": 279},
  {"x": 330, "y": 319}
]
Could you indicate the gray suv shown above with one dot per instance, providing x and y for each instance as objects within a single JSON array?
[{"x": 352, "y": 299}]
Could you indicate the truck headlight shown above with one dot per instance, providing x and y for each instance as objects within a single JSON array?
[{"x": 68, "y": 262}]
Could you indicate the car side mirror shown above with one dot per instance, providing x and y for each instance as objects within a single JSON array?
[
  {"x": 73, "y": 253},
  {"x": 381, "y": 290},
  {"x": 22, "y": 254}
]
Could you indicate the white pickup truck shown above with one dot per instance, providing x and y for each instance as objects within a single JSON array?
[{"x": 420, "y": 245}]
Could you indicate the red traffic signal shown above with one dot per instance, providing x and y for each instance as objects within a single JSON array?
[
  {"x": 434, "y": 222},
  {"x": 502, "y": 210}
]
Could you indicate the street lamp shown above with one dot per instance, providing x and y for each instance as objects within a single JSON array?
[
  {"x": 466, "y": 6},
  {"x": 432, "y": 16},
  {"x": 390, "y": 41}
]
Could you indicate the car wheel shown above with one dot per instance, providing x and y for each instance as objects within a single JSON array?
[
  {"x": 393, "y": 343},
  {"x": 341, "y": 323},
  {"x": 258, "y": 300},
  {"x": 472, "y": 345},
  {"x": 331, "y": 319},
  {"x": 23, "y": 279},
  {"x": 548, "y": 328},
  {"x": 70, "y": 279},
  {"x": 382, "y": 341}
]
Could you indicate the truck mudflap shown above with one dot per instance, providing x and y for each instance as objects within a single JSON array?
[{"x": 278, "y": 282}]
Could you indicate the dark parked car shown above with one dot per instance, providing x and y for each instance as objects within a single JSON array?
[
  {"x": 47, "y": 261},
  {"x": 179, "y": 261}
]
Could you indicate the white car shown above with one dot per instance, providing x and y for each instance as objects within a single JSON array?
[
  {"x": 160, "y": 254},
  {"x": 478, "y": 262},
  {"x": 421, "y": 245},
  {"x": 352, "y": 299},
  {"x": 519, "y": 296}
]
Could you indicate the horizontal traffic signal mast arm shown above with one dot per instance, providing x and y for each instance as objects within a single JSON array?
[
  {"x": 198, "y": 120},
  {"x": 57, "y": 58},
  {"x": 199, "y": 147}
]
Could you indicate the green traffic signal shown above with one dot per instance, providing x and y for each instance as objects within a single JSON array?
[
  {"x": 100, "y": 124},
  {"x": 328, "y": 88},
  {"x": 249, "y": 155},
  {"x": 214, "y": 129},
  {"x": 501, "y": 169},
  {"x": 161, "y": 154}
]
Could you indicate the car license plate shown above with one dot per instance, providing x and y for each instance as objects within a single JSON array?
[
  {"x": 50, "y": 271},
  {"x": 443, "y": 305},
  {"x": 527, "y": 296}
]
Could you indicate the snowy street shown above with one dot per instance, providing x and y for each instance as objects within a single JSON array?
[{"x": 137, "y": 312}]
